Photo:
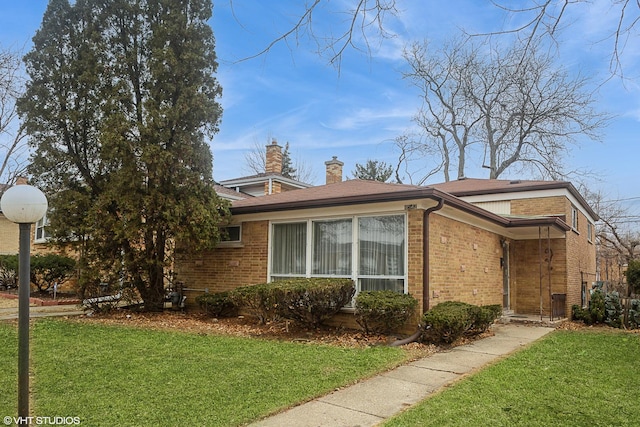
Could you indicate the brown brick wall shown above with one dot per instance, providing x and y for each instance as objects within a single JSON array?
[
  {"x": 226, "y": 268},
  {"x": 415, "y": 259},
  {"x": 529, "y": 280},
  {"x": 572, "y": 260},
  {"x": 540, "y": 206},
  {"x": 9, "y": 236},
  {"x": 581, "y": 265},
  {"x": 10, "y": 239},
  {"x": 464, "y": 263}
]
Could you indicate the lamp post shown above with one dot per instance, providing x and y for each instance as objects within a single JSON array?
[{"x": 24, "y": 205}]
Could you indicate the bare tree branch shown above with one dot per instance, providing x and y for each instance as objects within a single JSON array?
[
  {"x": 365, "y": 19},
  {"x": 13, "y": 147},
  {"x": 548, "y": 15}
]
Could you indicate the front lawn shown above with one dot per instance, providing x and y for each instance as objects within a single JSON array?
[
  {"x": 114, "y": 375},
  {"x": 577, "y": 378}
]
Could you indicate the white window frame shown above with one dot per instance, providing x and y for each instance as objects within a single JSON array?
[
  {"x": 355, "y": 249},
  {"x": 574, "y": 218},
  {"x": 41, "y": 227}
]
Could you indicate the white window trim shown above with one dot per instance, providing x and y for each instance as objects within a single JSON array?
[
  {"x": 232, "y": 243},
  {"x": 41, "y": 224},
  {"x": 355, "y": 248}
]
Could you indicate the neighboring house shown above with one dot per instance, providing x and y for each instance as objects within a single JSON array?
[
  {"x": 10, "y": 232},
  {"x": 527, "y": 245},
  {"x": 270, "y": 182}
]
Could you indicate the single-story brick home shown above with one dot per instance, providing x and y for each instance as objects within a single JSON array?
[{"x": 527, "y": 245}]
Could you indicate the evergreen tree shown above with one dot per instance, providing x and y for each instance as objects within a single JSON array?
[
  {"x": 288, "y": 170},
  {"x": 373, "y": 170},
  {"x": 121, "y": 97}
]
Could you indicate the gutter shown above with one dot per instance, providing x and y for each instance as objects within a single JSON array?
[
  {"x": 425, "y": 271},
  {"x": 425, "y": 253}
]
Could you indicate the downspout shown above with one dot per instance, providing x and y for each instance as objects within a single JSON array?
[{"x": 425, "y": 271}]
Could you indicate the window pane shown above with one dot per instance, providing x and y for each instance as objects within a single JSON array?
[
  {"x": 396, "y": 285},
  {"x": 381, "y": 246},
  {"x": 289, "y": 248},
  {"x": 332, "y": 241},
  {"x": 231, "y": 233}
]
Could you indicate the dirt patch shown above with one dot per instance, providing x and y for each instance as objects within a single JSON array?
[{"x": 8, "y": 302}]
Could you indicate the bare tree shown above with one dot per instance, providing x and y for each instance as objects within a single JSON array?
[
  {"x": 256, "y": 162},
  {"x": 448, "y": 116},
  {"x": 544, "y": 19},
  {"x": 524, "y": 111},
  {"x": 13, "y": 147},
  {"x": 617, "y": 231}
]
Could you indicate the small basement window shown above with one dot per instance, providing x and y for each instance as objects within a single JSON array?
[{"x": 231, "y": 233}]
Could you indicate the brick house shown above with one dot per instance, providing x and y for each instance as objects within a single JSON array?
[
  {"x": 10, "y": 232},
  {"x": 527, "y": 245}
]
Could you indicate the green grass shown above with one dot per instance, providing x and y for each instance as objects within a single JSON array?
[
  {"x": 109, "y": 375},
  {"x": 567, "y": 379}
]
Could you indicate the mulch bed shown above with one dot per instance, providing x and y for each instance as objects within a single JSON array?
[{"x": 247, "y": 327}]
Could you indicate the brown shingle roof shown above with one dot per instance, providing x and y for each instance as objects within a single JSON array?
[
  {"x": 359, "y": 192},
  {"x": 346, "y": 192},
  {"x": 474, "y": 186}
]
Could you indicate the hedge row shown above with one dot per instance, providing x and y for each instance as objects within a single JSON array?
[{"x": 307, "y": 301}]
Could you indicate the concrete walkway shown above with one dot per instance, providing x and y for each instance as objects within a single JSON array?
[
  {"x": 43, "y": 311},
  {"x": 370, "y": 402}
]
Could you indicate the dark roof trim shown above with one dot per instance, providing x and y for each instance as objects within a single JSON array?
[{"x": 412, "y": 194}]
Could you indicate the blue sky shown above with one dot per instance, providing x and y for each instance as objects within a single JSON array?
[{"x": 293, "y": 95}]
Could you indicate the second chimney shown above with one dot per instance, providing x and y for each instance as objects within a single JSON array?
[
  {"x": 334, "y": 170},
  {"x": 273, "y": 162}
]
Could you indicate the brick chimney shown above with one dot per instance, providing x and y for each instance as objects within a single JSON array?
[
  {"x": 273, "y": 162},
  {"x": 334, "y": 170}
]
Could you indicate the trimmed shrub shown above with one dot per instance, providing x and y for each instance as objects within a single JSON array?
[
  {"x": 483, "y": 317},
  {"x": 258, "y": 300},
  {"x": 384, "y": 311},
  {"x": 579, "y": 314},
  {"x": 446, "y": 322},
  {"x": 217, "y": 304},
  {"x": 307, "y": 301},
  {"x": 312, "y": 301},
  {"x": 449, "y": 321},
  {"x": 47, "y": 270}
]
